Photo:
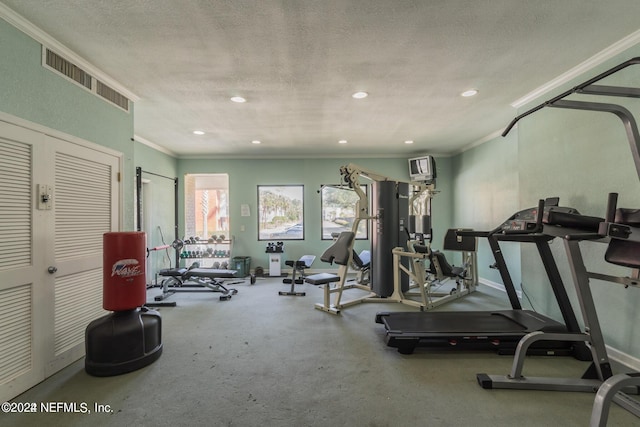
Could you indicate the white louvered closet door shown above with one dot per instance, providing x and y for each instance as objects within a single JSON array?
[
  {"x": 85, "y": 206},
  {"x": 50, "y": 256},
  {"x": 22, "y": 269}
]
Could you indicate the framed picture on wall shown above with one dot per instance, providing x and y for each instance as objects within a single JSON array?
[{"x": 280, "y": 212}]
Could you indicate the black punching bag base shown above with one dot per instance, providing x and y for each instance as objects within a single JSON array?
[{"x": 123, "y": 341}]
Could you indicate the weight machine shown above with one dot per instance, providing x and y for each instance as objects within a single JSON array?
[
  {"x": 398, "y": 206},
  {"x": 343, "y": 246},
  {"x": 429, "y": 279}
]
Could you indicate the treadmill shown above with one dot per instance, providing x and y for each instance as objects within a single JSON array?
[{"x": 497, "y": 330}]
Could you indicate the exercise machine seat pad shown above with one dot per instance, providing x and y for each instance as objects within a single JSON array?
[
  {"x": 339, "y": 252},
  {"x": 211, "y": 273},
  {"x": 322, "y": 278}
]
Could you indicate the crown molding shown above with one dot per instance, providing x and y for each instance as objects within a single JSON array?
[
  {"x": 597, "y": 59},
  {"x": 310, "y": 156},
  {"x": 155, "y": 146},
  {"x": 480, "y": 141},
  {"x": 22, "y": 24}
]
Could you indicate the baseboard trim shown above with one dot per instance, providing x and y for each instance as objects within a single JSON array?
[
  {"x": 496, "y": 285},
  {"x": 625, "y": 359}
]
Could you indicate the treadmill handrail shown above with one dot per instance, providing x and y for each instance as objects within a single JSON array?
[{"x": 583, "y": 236}]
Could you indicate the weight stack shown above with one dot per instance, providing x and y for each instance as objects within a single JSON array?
[
  {"x": 130, "y": 337},
  {"x": 390, "y": 203}
]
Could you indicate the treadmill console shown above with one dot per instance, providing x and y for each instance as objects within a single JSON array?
[{"x": 527, "y": 220}]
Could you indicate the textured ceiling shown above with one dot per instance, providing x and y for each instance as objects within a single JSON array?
[{"x": 298, "y": 61}]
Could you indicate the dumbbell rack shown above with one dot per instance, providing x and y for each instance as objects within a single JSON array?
[{"x": 207, "y": 252}]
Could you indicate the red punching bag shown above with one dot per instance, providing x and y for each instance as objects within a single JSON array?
[{"x": 123, "y": 270}]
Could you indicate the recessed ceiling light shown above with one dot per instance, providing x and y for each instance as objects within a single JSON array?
[
  {"x": 238, "y": 99},
  {"x": 198, "y": 132},
  {"x": 342, "y": 141},
  {"x": 255, "y": 141},
  {"x": 470, "y": 92},
  {"x": 360, "y": 95},
  {"x": 408, "y": 141}
]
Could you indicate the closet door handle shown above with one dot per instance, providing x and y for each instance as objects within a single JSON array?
[{"x": 52, "y": 269}]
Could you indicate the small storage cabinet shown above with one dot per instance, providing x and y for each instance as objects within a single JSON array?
[
  {"x": 212, "y": 252},
  {"x": 275, "y": 251}
]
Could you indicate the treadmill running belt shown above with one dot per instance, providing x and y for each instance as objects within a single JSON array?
[
  {"x": 447, "y": 323},
  {"x": 500, "y": 330},
  {"x": 469, "y": 322}
]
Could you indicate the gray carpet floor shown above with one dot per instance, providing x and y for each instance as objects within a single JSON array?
[{"x": 261, "y": 359}]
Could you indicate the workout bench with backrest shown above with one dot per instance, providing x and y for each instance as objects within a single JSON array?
[
  {"x": 340, "y": 253},
  {"x": 195, "y": 279},
  {"x": 298, "y": 266}
]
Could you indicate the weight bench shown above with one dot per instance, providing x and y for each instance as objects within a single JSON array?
[
  {"x": 322, "y": 279},
  {"x": 341, "y": 253},
  {"x": 181, "y": 279},
  {"x": 298, "y": 266}
]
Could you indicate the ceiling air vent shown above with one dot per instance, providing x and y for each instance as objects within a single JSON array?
[
  {"x": 68, "y": 69},
  {"x": 112, "y": 95}
]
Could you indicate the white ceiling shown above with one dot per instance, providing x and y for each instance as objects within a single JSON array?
[{"x": 298, "y": 61}]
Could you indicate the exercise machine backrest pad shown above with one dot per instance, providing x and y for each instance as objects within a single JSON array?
[
  {"x": 629, "y": 217},
  {"x": 363, "y": 260},
  {"x": 623, "y": 252},
  {"x": 340, "y": 251},
  {"x": 572, "y": 220}
]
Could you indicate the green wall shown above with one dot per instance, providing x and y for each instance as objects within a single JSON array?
[
  {"x": 34, "y": 93},
  {"x": 246, "y": 174},
  {"x": 485, "y": 193}
]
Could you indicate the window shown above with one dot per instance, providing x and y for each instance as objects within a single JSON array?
[
  {"x": 280, "y": 212},
  {"x": 339, "y": 211},
  {"x": 206, "y": 205}
]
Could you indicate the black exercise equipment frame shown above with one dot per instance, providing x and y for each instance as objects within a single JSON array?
[
  {"x": 139, "y": 173},
  {"x": 589, "y": 88}
]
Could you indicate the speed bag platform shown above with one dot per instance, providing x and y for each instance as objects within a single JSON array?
[{"x": 122, "y": 342}]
